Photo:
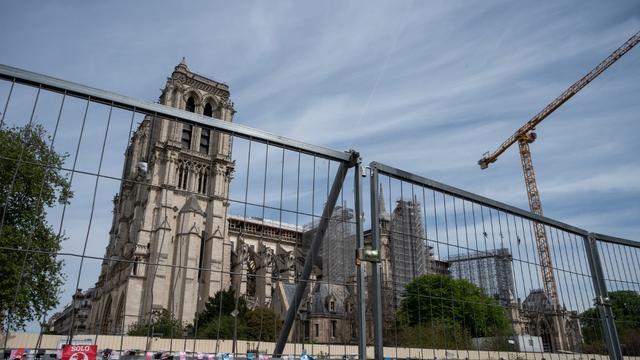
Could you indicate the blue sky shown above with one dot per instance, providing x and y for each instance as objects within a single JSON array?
[{"x": 426, "y": 86}]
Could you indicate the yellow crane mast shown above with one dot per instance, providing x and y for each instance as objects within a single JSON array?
[{"x": 525, "y": 136}]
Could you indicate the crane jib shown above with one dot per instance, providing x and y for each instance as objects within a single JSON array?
[{"x": 566, "y": 95}]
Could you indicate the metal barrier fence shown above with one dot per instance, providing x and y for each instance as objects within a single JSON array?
[
  {"x": 619, "y": 275},
  {"x": 223, "y": 238},
  {"x": 462, "y": 273},
  {"x": 202, "y": 205}
]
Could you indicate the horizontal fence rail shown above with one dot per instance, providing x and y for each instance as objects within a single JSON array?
[
  {"x": 462, "y": 194},
  {"x": 68, "y": 88}
]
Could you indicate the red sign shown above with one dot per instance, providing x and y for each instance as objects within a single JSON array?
[
  {"x": 17, "y": 353},
  {"x": 79, "y": 352}
]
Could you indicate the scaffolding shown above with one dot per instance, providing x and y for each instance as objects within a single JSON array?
[
  {"x": 408, "y": 246},
  {"x": 489, "y": 270}
]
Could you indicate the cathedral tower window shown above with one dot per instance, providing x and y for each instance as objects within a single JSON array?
[
  {"x": 208, "y": 110},
  {"x": 182, "y": 176},
  {"x": 187, "y": 129},
  {"x": 136, "y": 260},
  {"x": 204, "y": 141},
  {"x": 203, "y": 176},
  {"x": 306, "y": 330},
  {"x": 191, "y": 104}
]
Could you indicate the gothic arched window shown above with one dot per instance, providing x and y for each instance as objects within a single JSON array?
[
  {"x": 203, "y": 175},
  {"x": 208, "y": 110},
  {"x": 187, "y": 129},
  {"x": 204, "y": 141},
  {"x": 191, "y": 104},
  {"x": 182, "y": 176},
  {"x": 136, "y": 260}
]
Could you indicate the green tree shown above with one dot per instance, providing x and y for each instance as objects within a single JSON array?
[
  {"x": 262, "y": 324},
  {"x": 225, "y": 299},
  {"x": 30, "y": 183},
  {"x": 221, "y": 328},
  {"x": 256, "y": 324},
  {"x": 625, "y": 306},
  {"x": 442, "y": 302},
  {"x": 216, "y": 321},
  {"x": 164, "y": 325}
]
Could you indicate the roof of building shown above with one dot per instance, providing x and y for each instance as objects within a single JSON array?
[
  {"x": 183, "y": 68},
  {"x": 537, "y": 300},
  {"x": 324, "y": 293},
  {"x": 267, "y": 222}
]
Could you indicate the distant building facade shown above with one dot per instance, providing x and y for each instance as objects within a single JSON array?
[
  {"x": 327, "y": 313},
  {"x": 558, "y": 327},
  {"x": 61, "y": 322}
]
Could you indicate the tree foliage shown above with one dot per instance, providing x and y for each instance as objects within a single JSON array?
[
  {"x": 438, "y": 301},
  {"x": 222, "y": 300},
  {"x": 30, "y": 183},
  {"x": 259, "y": 324},
  {"x": 625, "y": 306},
  {"x": 163, "y": 325}
]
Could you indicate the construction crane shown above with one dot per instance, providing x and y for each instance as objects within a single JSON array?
[{"x": 525, "y": 136}]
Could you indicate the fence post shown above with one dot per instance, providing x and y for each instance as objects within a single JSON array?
[
  {"x": 362, "y": 320},
  {"x": 375, "y": 269},
  {"x": 602, "y": 299}
]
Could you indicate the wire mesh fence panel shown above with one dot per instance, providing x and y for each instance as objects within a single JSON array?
[
  {"x": 463, "y": 277},
  {"x": 167, "y": 229},
  {"x": 621, "y": 272},
  {"x": 151, "y": 228}
]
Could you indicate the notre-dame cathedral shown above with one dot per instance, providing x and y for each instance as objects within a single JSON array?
[
  {"x": 173, "y": 245},
  {"x": 170, "y": 212}
]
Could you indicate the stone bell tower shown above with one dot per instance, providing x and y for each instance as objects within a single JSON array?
[{"x": 170, "y": 216}]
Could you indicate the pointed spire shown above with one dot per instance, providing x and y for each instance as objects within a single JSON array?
[
  {"x": 382, "y": 209},
  {"x": 183, "y": 64}
]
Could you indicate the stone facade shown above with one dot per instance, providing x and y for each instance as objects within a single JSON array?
[
  {"x": 264, "y": 253},
  {"x": 81, "y": 304},
  {"x": 327, "y": 313},
  {"x": 558, "y": 327},
  {"x": 170, "y": 213}
]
